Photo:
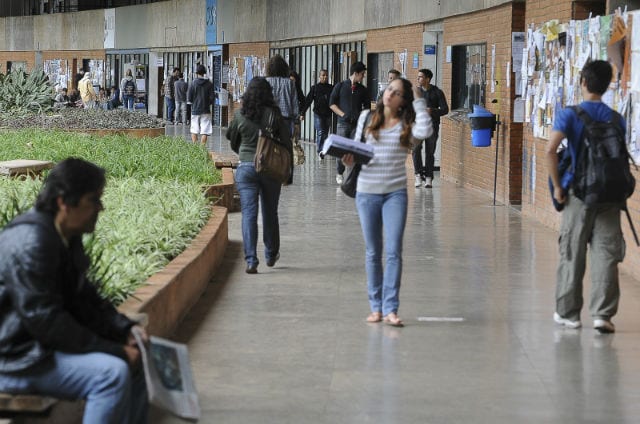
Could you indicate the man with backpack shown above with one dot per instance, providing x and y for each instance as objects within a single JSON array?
[
  {"x": 128, "y": 91},
  {"x": 592, "y": 195}
]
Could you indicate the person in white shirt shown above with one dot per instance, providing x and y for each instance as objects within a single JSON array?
[{"x": 399, "y": 121}]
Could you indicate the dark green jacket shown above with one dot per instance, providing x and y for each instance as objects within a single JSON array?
[{"x": 243, "y": 135}]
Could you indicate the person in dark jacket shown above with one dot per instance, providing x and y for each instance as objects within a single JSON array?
[
  {"x": 348, "y": 99},
  {"x": 180, "y": 89},
  {"x": 437, "y": 107},
  {"x": 58, "y": 337},
  {"x": 319, "y": 95},
  {"x": 258, "y": 106},
  {"x": 169, "y": 94},
  {"x": 201, "y": 95}
]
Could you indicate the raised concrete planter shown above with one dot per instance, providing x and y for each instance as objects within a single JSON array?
[
  {"x": 130, "y": 132},
  {"x": 168, "y": 295},
  {"x": 225, "y": 192}
]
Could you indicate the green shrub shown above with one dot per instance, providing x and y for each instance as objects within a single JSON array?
[
  {"x": 165, "y": 158},
  {"x": 154, "y": 204},
  {"x": 22, "y": 93}
]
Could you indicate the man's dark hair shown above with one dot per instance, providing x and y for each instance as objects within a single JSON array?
[
  {"x": 394, "y": 72},
  {"x": 176, "y": 70},
  {"x": 277, "y": 67},
  {"x": 356, "y": 68},
  {"x": 427, "y": 73},
  {"x": 256, "y": 98},
  {"x": 70, "y": 179},
  {"x": 201, "y": 70},
  {"x": 597, "y": 76}
]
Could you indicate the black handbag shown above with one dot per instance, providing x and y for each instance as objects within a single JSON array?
[{"x": 350, "y": 182}]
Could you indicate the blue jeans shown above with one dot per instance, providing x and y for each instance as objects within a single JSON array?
[
  {"x": 181, "y": 112},
  {"x": 321, "y": 124},
  {"x": 383, "y": 217},
  {"x": 252, "y": 186},
  {"x": 113, "y": 395},
  {"x": 344, "y": 130},
  {"x": 171, "y": 107},
  {"x": 127, "y": 102}
]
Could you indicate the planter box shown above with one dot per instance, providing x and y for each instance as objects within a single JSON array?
[
  {"x": 225, "y": 192},
  {"x": 130, "y": 132},
  {"x": 168, "y": 295}
]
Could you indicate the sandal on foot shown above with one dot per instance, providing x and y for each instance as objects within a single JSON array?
[
  {"x": 374, "y": 317},
  {"x": 393, "y": 320}
]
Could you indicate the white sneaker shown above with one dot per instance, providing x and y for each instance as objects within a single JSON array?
[
  {"x": 428, "y": 182},
  {"x": 566, "y": 322},
  {"x": 603, "y": 326},
  {"x": 418, "y": 181},
  {"x": 339, "y": 179}
]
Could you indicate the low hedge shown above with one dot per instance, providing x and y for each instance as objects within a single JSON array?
[{"x": 154, "y": 204}]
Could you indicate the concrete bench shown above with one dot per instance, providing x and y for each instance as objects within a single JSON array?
[
  {"x": 24, "y": 167},
  {"x": 11, "y": 404},
  {"x": 224, "y": 161}
]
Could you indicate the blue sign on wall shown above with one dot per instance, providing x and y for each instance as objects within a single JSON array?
[
  {"x": 429, "y": 49},
  {"x": 212, "y": 21}
]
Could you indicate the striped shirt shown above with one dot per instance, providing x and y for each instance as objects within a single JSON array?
[{"x": 386, "y": 171}]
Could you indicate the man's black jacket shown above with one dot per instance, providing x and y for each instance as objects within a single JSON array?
[
  {"x": 438, "y": 103},
  {"x": 46, "y": 302}
]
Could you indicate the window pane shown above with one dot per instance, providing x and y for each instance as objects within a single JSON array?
[{"x": 468, "y": 76}]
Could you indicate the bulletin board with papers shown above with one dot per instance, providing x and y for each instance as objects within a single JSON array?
[
  {"x": 242, "y": 70},
  {"x": 554, "y": 54}
]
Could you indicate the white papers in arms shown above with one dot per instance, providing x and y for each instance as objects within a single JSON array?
[
  {"x": 168, "y": 376},
  {"x": 338, "y": 146}
]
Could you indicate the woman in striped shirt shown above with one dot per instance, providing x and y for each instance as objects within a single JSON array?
[{"x": 400, "y": 120}]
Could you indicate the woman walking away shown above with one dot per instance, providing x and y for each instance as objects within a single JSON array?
[
  {"x": 381, "y": 194},
  {"x": 283, "y": 89},
  {"x": 258, "y": 106}
]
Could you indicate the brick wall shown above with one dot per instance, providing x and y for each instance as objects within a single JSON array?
[
  {"x": 536, "y": 201},
  {"x": 473, "y": 167},
  {"x": 29, "y": 57},
  {"x": 76, "y": 55},
  {"x": 5, "y": 57},
  {"x": 242, "y": 50},
  {"x": 396, "y": 40},
  {"x": 536, "y": 198}
]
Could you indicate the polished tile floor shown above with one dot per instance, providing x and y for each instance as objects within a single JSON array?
[{"x": 290, "y": 345}]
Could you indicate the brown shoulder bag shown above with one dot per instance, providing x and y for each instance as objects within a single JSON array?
[{"x": 272, "y": 159}]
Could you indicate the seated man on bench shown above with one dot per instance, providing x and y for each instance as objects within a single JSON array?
[{"x": 58, "y": 337}]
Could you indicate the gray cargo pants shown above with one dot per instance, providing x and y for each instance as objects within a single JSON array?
[{"x": 600, "y": 228}]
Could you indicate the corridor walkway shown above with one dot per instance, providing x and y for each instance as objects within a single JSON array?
[{"x": 290, "y": 344}]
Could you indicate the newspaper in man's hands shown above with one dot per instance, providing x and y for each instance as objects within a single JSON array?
[{"x": 168, "y": 376}]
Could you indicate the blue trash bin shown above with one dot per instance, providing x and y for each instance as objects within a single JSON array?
[{"x": 483, "y": 123}]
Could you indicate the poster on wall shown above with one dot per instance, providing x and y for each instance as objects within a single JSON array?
[
  {"x": 96, "y": 67},
  {"x": 57, "y": 72},
  {"x": 140, "y": 73}
]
